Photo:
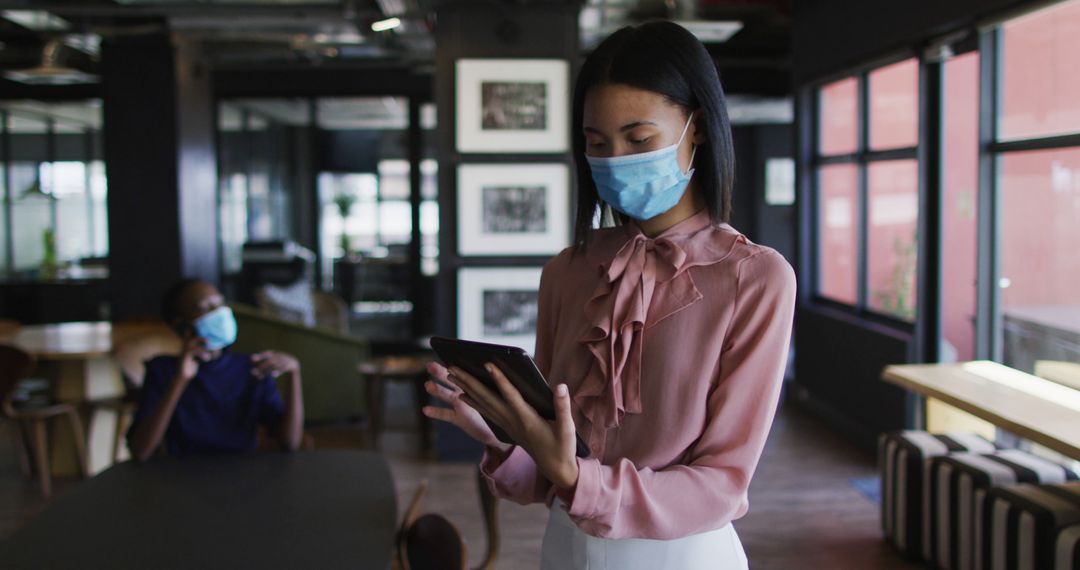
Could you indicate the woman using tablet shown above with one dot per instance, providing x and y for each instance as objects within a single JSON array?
[{"x": 665, "y": 332}]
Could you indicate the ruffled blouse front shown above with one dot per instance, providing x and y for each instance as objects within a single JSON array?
[{"x": 641, "y": 273}]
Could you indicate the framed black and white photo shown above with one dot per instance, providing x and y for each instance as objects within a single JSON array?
[
  {"x": 512, "y": 105},
  {"x": 513, "y": 209},
  {"x": 499, "y": 305}
]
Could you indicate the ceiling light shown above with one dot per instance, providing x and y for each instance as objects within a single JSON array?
[
  {"x": 50, "y": 72},
  {"x": 36, "y": 20},
  {"x": 711, "y": 32},
  {"x": 387, "y": 24}
]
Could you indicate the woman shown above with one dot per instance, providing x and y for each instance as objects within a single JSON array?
[{"x": 665, "y": 335}]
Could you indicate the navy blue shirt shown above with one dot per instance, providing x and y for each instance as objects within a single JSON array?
[{"x": 220, "y": 408}]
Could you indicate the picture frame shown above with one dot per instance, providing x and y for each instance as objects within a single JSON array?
[
  {"x": 512, "y": 105},
  {"x": 780, "y": 181},
  {"x": 513, "y": 209},
  {"x": 499, "y": 305}
]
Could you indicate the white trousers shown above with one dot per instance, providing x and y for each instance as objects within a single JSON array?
[{"x": 566, "y": 547}]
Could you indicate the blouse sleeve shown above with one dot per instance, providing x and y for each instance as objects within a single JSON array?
[
  {"x": 516, "y": 477},
  {"x": 709, "y": 490}
]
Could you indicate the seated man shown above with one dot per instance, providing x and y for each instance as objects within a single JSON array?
[{"x": 210, "y": 399}]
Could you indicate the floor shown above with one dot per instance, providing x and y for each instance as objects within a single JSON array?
[{"x": 805, "y": 513}]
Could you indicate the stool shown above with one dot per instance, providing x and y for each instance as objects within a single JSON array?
[
  {"x": 412, "y": 369},
  {"x": 959, "y": 485},
  {"x": 1067, "y": 550},
  {"x": 1021, "y": 523},
  {"x": 902, "y": 459}
]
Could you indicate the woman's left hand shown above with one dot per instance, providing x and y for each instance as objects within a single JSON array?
[{"x": 551, "y": 444}]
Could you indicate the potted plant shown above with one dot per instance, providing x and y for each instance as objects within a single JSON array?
[{"x": 344, "y": 202}]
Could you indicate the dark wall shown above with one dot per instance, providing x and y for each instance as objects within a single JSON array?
[
  {"x": 838, "y": 364},
  {"x": 773, "y": 226},
  {"x": 481, "y": 31},
  {"x": 831, "y": 36},
  {"x": 743, "y": 195},
  {"x": 350, "y": 151},
  {"x": 478, "y": 31}
]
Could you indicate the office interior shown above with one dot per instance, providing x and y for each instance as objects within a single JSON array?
[{"x": 917, "y": 164}]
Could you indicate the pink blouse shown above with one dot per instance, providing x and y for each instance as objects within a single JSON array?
[{"x": 673, "y": 349}]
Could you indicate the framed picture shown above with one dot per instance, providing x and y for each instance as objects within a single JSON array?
[
  {"x": 499, "y": 305},
  {"x": 512, "y": 105},
  {"x": 513, "y": 209},
  {"x": 780, "y": 181}
]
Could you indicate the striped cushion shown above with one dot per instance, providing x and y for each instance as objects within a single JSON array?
[
  {"x": 902, "y": 459},
  {"x": 959, "y": 485},
  {"x": 1067, "y": 552},
  {"x": 1020, "y": 524}
]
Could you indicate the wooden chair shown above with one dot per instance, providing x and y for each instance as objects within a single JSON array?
[
  {"x": 131, "y": 351},
  {"x": 16, "y": 365},
  {"x": 428, "y": 542},
  {"x": 489, "y": 505},
  {"x": 431, "y": 541},
  {"x": 9, "y": 329}
]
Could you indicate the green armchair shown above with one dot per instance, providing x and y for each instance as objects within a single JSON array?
[{"x": 333, "y": 389}]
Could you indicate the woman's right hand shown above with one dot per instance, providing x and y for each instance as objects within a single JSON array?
[{"x": 459, "y": 413}]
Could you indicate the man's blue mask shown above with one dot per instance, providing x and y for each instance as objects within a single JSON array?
[
  {"x": 642, "y": 185},
  {"x": 217, "y": 328}
]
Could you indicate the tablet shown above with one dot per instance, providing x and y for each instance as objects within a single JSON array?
[{"x": 518, "y": 367}]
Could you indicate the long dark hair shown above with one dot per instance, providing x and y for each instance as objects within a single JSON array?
[{"x": 664, "y": 58}]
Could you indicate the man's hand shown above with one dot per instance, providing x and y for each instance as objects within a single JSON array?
[
  {"x": 271, "y": 364},
  {"x": 194, "y": 352}
]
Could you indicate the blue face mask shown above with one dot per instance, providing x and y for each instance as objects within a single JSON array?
[
  {"x": 642, "y": 185},
  {"x": 217, "y": 328}
]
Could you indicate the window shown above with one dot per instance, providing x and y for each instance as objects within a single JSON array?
[
  {"x": 839, "y": 117},
  {"x": 258, "y": 173},
  {"x": 838, "y": 252},
  {"x": 868, "y": 191},
  {"x": 379, "y": 214},
  {"x": 959, "y": 190},
  {"x": 893, "y": 189},
  {"x": 1037, "y": 185},
  {"x": 894, "y": 106},
  {"x": 331, "y": 170},
  {"x": 54, "y": 187},
  {"x": 1040, "y": 50}
]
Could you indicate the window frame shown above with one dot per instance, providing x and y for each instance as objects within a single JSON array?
[
  {"x": 861, "y": 158},
  {"x": 926, "y": 330},
  {"x": 90, "y": 153},
  {"x": 989, "y": 337}
]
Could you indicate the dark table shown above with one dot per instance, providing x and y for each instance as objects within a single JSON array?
[{"x": 315, "y": 509}]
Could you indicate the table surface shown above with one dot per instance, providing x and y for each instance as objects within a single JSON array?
[
  {"x": 315, "y": 509},
  {"x": 1031, "y": 407},
  {"x": 78, "y": 341}
]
